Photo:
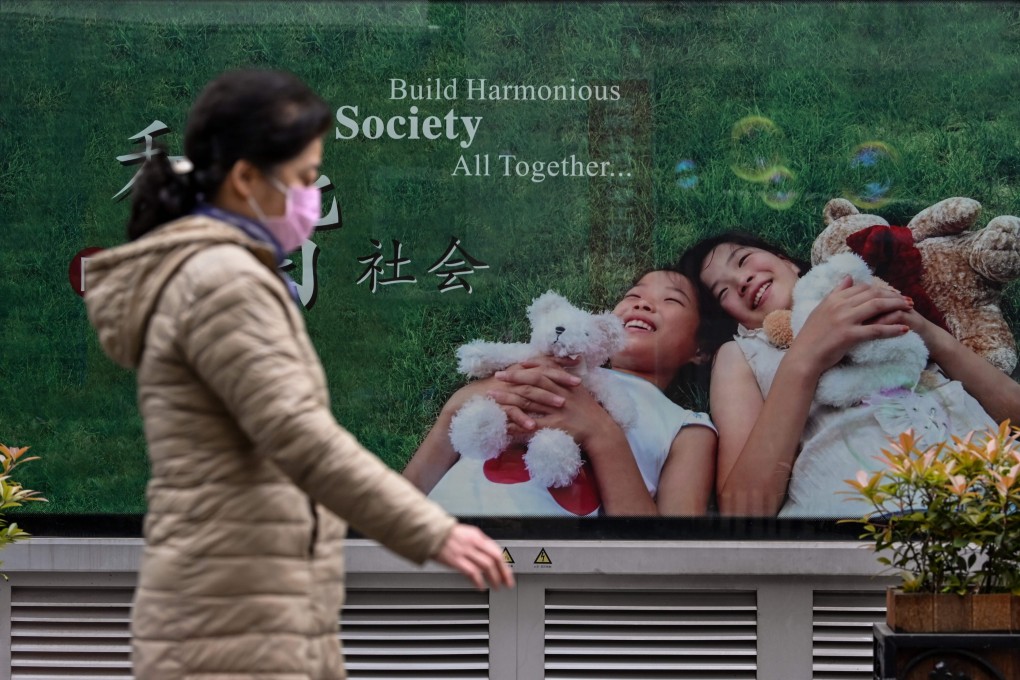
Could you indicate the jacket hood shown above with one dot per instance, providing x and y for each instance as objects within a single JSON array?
[{"x": 125, "y": 283}]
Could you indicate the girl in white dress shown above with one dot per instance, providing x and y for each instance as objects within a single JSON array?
[
  {"x": 781, "y": 452},
  {"x": 663, "y": 465}
]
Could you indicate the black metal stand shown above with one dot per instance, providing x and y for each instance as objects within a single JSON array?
[{"x": 957, "y": 656}]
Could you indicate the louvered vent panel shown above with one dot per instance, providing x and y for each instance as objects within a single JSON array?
[
  {"x": 842, "y": 633},
  {"x": 425, "y": 634},
  {"x": 83, "y": 634},
  {"x": 70, "y": 633},
  {"x": 642, "y": 635}
]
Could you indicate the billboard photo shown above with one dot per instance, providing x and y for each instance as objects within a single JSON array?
[{"x": 482, "y": 155}]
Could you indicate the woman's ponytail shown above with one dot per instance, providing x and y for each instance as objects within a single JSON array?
[{"x": 163, "y": 192}]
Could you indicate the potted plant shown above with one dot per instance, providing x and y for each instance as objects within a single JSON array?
[
  {"x": 13, "y": 494},
  {"x": 948, "y": 518}
]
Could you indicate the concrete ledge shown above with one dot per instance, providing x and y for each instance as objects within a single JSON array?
[{"x": 745, "y": 558}]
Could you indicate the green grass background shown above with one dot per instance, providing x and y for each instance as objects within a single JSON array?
[{"x": 935, "y": 82}]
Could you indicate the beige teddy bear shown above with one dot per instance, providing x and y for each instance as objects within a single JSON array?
[{"x": 955, "y": 276}]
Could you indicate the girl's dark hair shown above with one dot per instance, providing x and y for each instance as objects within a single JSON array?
[
  {"x": 717, "y": 327},
  {"x": 265, "y": 117}
]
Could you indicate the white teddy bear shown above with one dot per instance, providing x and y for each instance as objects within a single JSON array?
[
  {"x": 553, "y": 458},
  {"x": 869, "y": 366}
]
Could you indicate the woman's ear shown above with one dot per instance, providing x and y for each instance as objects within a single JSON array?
[
  {"x": 700, "y": 358},
  {"x": 239, "y": 179}
]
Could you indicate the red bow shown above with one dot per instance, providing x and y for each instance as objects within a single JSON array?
[
  {"x": 580, "y": 497},
  {"x": 892, "y": 255}
]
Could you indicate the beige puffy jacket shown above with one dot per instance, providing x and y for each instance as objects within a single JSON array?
[{"x": 242, "y": 573}]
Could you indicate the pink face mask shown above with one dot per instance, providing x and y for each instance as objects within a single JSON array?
[{"x": 296, "y": 224}]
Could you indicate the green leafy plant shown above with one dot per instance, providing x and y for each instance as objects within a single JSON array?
[
  {"x": 12, "y": 494},
  {"x": 949, "y": 514}
]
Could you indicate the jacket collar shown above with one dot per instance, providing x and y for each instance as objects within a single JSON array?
[
  {"x": 252, "y": 228},
  {"x": 257, "y": 231}
]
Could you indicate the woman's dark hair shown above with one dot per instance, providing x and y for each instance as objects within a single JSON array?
[
  {"x": 717, "y": 327},
  {"x": 265, "y": 117}
]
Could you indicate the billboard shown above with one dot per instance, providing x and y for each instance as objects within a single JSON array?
[{"x": 482, "y": 154}]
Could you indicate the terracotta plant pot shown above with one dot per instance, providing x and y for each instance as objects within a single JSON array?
[{"x": 947, "y": 613}]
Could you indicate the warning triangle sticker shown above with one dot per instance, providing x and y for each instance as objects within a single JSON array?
[
  {"x": 543, "y": 557},
  {"x": 507, "y": 557}
]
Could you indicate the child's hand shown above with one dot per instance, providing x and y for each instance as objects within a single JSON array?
[
  {"x": 523, "y": 391},
  {"x": 850, "y": 314},
  {"x": 475, "y": 388},
  {"x": 910, "y": 317},
  {"x": 546, "y": 398},
  {"x": 582, "y": 417},
  {"x": 551, "y": 361}
]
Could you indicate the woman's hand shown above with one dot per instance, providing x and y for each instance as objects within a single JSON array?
[
  {"x": 850, "y": 314},
  {"x": 475, "y": 555}
]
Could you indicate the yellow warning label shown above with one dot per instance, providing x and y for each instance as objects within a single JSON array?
[
  {"x": 507, "y": 557},
  {"x": 543, "y": 557}
]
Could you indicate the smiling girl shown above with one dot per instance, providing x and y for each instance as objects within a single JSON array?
[
  {"x": 779, "y": 450},
  {"x": 665, "y": 464}
]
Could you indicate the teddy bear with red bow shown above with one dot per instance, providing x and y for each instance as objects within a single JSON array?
[{"x": 955, "y": 275}]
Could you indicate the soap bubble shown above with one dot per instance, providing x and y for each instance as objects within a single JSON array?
[
  {"x": 686, "y": 174},
  {"x": 871, "y": 176},
  {"x": 780, "y": 188},
  {"x": 754, "y": 148}
]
